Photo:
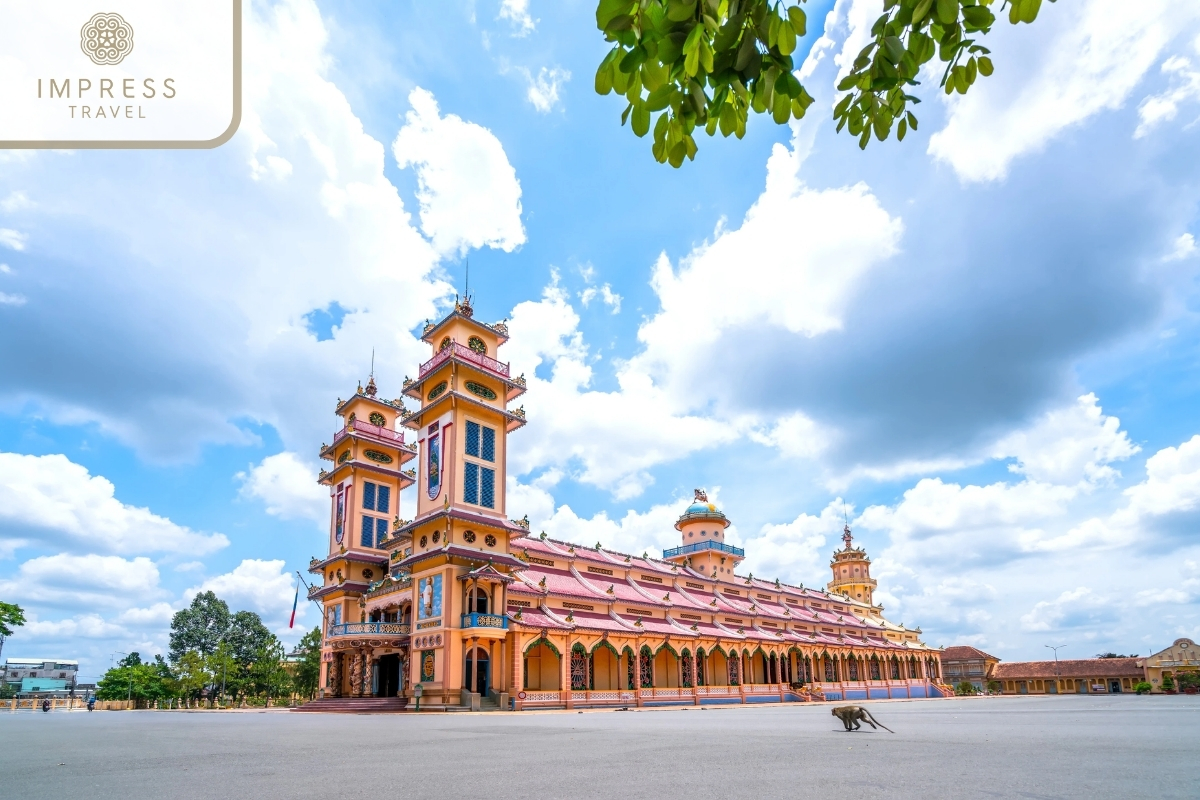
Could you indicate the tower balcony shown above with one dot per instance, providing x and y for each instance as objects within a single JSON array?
[
  {"x": 385, "y": 435},
  {"x": 464, "y": 353},
  {"x": 697, "y": 547},
  {"x": 369, "y": 629}
]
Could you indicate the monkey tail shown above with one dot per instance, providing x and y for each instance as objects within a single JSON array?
[{"x": 877, "y": 722}]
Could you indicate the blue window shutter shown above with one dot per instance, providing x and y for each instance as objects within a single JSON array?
[
  {"x": 368, "y": 530},
  {"x": 471, "y": 484},
  {"x": 381, "y": 531},
  {"x": 383, "y": 499},
  {"x": 473, "y": 439},
  {"x": 489, "y": 445},
  {"x": 368, "y": 495},
  {"x": 487, "y": 492}
]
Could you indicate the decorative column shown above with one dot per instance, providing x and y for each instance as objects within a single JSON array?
[
  {"x": 565, "y": 666},
  {"x": 637, "y": 671}
]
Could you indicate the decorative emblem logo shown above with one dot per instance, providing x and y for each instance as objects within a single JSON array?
[{"x": 106, "y": 39}]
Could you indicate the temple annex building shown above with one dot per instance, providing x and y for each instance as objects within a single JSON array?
[{"x": 480, "y": 613}]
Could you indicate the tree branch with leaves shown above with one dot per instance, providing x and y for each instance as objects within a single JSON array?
[{"x": 708, "y": 63}]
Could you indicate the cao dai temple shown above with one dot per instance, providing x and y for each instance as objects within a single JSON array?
[{"x": 481, "y": 613}]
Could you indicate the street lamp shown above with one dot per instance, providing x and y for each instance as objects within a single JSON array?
[{"x": 1057, "y": 674}]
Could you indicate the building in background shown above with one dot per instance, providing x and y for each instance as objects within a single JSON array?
[
  {"x": 965, "y": 663},
  {"x": 1180, "y": 657},
  {"x": 467, "y": 603},
  {"x": 38, "y": 676},
  {"x": 1069, "y": 676}
]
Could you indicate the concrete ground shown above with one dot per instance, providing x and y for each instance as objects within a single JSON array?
[{"x": 1030, "y": 747}]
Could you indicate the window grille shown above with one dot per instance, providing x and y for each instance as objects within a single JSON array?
[
  {"x": 578, "y": 669},
  {"x": 853, "y": 669},
  {"x": 383, "y": 499},
  {"x": 700, "y": 657},
  {"x": 368, "y": 495},
  {"x": 647, "y": 666},
  {"x": 368, "y": 531},
  {"x": 895, "y": 670},
  {"x": 471, "y": 484},
  {"x": 381, "y": 531},
  {"x": 829, "y": 678},
  {"x": 487, "y": 488},
  {"x": 629, "y": 667},
  {"x": 473, "y": 439},
  {"x": 687, "y": 670},
  {"x": 875, "y": 669},
  {"x": 488, "y": 451},
  {"x": 733, "y": 669}
]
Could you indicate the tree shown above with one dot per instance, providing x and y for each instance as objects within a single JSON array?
[
  {"x": 1114, "y": 655},
  {"x": 1188, "y": 680},
  {"x": 268, "y": 673},
  {"x": 11, "y": 616},
  {"x": 308, "y": 669},
  {"x": 200, "y": 626},
  {"x": 708, "y": 63},
  {"x": 965, "y": 688},
  {"x": 141, "y": 681}
]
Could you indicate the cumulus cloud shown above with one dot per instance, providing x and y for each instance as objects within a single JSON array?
[
  {"x": 468, "y": 191},
  {"x": 91, "y": 580},
  {"x": 1075, "y": 62},
  {"x": 13, "y": 240},
  {"x": 288, "y": 488},
  {"x": 1172, "y": 482},
  {"x": 1160, "y": 108},
  {"x": 1077, "y": 608},
  {"x": 51, "y": 499},
  {"x": 258, "y": 585},
  {"x": 1076, "y": 443}
]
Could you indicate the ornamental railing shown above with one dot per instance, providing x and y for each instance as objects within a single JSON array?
[
  {"x": 369, "y": 628},
  {"x": 698, "y": 546},
  {"x": 378, "y": 431},
  {"x": 484, "y": 621},
  {"x": 466, "y": 354}
]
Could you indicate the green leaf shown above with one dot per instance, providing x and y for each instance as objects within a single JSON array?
[
  {"x": 978, "y": 17},
  {"x": 633, "y": 59},
  {"x": 678, "y": 11},
  {"x": 728, "y": 120},
  {"x": 654, "y": 74},
  {"x": 782, "y": 108},
  {"x": 842, "y": 105},
  {"x": 947, "y": 11},
  {"x": 604, "y": 82},
  {"x": 901, "y": 130},
  {"x": 922, "y": 9},
  {"x": 785, "y": 40},
  {"x": 985, "y": 66},
  {"x": 706, "y": 56},
  {"x": 799, "y": 21},
  {"x": 894, "y": 48},
  {"x": 912, "y": 120},
  {"x": 693, "y": 40},
  {"x": 625, "y": 114},
  {"x": 660, "y": 98},
  {"x": 746, "y": 53},
  {"x": 972, "y": 70},
  {"x": 641, "y": 120},
  {"x": 610, "y": 9},
  {"x": 691, "y": 62}
]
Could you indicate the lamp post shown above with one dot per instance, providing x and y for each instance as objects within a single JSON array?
[{"x": 1057, "y": 674}]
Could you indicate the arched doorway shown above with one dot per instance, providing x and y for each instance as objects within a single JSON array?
[
  {"x": 606, "y": 668},
  {"x": 477, "y": 601},
  {"x": 388, "y": 681},
  {"x": 542, "y": 667},
  {"x": 720, "y": 669},
  {"x": 478, "y": 680},
  {"x": 666, "y": 668}
]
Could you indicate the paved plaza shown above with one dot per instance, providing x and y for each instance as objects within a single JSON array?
[{"x": 1031, "y": 747}]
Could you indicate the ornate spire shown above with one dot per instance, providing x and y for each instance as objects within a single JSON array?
[{"x": 847, "y": 537}]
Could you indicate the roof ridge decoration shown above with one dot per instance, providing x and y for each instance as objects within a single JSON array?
[
  {"x": 619, "y": 620},
  {"x": 586, "y": 583}
]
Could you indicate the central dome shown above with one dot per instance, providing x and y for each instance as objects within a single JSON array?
[{"x": 701, "y": 509}]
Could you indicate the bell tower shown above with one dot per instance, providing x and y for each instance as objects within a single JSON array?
[
  {"x": 456, "y": 547},
  {"x": 852, "y": 571}
]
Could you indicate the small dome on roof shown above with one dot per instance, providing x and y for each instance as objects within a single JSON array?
[{"x": 702, "y": 509}]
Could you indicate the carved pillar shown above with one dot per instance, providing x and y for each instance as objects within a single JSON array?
[{"x": 333, "y": 682}]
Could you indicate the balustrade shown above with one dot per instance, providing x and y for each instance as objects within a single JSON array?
[{"x": 369, "y": 628}]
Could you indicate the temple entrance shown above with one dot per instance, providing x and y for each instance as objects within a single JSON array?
[
  {"x": 542, "y": 668},
  {"x": 1114, "y": 686},
  {"x": 389, "y": 676},
  {"x": 477, "y": 682}
]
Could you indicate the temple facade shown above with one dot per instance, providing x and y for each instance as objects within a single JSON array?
[{"x": 481, "y": 613}]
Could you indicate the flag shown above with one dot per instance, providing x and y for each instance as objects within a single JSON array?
[{"x": 295, "y": 600}]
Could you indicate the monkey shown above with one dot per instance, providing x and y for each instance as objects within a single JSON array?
[{"x": 850, "y": 715}]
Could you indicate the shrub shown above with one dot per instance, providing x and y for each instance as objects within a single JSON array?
[
  {"x": 1168, "y": 683},
  {"x": 1189, "y": 680},
  {"x": 1142, "y": 687},
  {"x": 965, "y": 688}
]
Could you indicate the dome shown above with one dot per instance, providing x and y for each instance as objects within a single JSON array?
[{"x": 701, "y": 509}]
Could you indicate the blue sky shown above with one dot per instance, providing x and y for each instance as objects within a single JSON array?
[{"x": 981, "y": 344}]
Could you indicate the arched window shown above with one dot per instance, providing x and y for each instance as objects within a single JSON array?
[
  {"x": 895, "y": 669},
  {"x": 700, "y": 658},
  {"x": 646, "y": 665},
  {"x": 853, "y": 666},
  {"x": 579, "y": 677},
  {"x": 629, "y": 659},
  {"x": 687, "y": 668},
  {"x": 830, "y": 676},
  {"x": 875, "y": 675},
  {"x": 733, "y": 662}
]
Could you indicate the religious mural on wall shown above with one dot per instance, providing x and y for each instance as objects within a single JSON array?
[
  {"x": 433, "y": 462},
  {"x": 429, "y": 597}
]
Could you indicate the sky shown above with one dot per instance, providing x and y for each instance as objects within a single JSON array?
[{"x": 978, "y": 346}]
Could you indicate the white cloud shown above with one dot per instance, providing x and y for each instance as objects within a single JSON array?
[
  {"x": 83, "y": 626},
  {"x": 256, "y": 585},
  {"x": 12, "y": 299},
  {"x": 52, "y": 499},
  {"x": 542, "y": 91},
  {"x": 1074, "y": 62},
  {"x": 469, "y": 193},
  {"x": 89, "y": 580},
  {"x": 606, "y": 295},
  {"x": 1172, "y": 482},
  {"x": 517, "y": 12},
  {"x": 15, "y": 202},
  {"x": 288, "y": 488},
  {"x": 1185, "y": 246},
  {"x": 1156, "y": 109},
  {"x": 14, "y": 240},
  {"x": 158, "y": 616},
  {"x": 793, "y": 551},
  {"x": 1068, "y": 445}
]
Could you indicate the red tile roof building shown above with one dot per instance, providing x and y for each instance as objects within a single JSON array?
[
  {"x": 1069, "y": 676},
  {"x": 476, "y": 609}
]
